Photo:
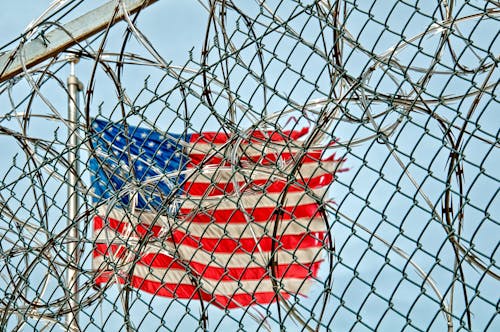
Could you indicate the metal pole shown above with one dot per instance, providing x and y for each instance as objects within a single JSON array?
[
  {"x": 74, "y": 86},
  {"x": 63, "y": 37}
]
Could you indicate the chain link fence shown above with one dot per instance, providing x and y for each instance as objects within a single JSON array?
[{"x": 253, "y": 165}]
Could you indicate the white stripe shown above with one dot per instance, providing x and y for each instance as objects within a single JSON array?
[
  {"x": 209, "y": 258},
  {"x": 215, "y": 287},
  {"x": 271, "y": 173},
  {"x": 254, "y": 148},
  {"x": 249, "y": 200},
  {"x": 242, "y": 230},
  {"x": 218, "y": 230}
]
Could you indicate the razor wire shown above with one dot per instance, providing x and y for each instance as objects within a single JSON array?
[{"x": 403, "y": 92}]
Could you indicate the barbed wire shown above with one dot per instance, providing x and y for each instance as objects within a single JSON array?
[{"x": 387, "y": 105}]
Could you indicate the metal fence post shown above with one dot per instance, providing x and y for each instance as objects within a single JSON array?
[{"x": 74, "y": 86}]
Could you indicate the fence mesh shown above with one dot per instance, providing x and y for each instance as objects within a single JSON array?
[{"x": 266, "y": 165}]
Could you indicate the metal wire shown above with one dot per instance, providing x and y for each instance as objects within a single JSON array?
[{"x": 403, "y": 92}]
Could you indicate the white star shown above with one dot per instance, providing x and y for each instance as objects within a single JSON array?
[
  {"x": 169, "y": 146},
  {"x": 159, "y": 153},
  {"x": 151, "y": 144},
  {"x": 118, "y": 138},
  {"x": 140, "y": 167},
  {"x": 143, "y": 135}
]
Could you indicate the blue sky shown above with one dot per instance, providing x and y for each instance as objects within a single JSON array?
[{"x": 366, "y": 194}]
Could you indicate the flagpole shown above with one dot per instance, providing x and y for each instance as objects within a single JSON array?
[{"x": 74, "y": 86}]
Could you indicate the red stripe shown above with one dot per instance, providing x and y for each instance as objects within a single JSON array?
[
  {"x": 226, "y": 245},
  {"x": 221, "y": 188},
  {"x": 236, "y": 245},
  {"x": 214, "y": 272},
  {"x": 185, "y": 291},
  {"x": 259, "y": 214},
  {"x": 117, "y": 225},
  {"x": 275, "y": 136},
  {"x": 257, "y": 135},
  {"x": 182, "y": 291},
  {"x": 116, "y": 250},
  {"x": 223, "y": 217},
  {"x": 216, "y": 158},
  {"x": 249, "y": 245},
  {"x": 137, "y": 230}
]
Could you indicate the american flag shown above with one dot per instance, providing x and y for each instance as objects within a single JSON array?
[{"x": 233, "y": 220}]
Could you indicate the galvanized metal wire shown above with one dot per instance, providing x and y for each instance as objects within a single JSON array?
[{"x": 407, "y": 90}]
